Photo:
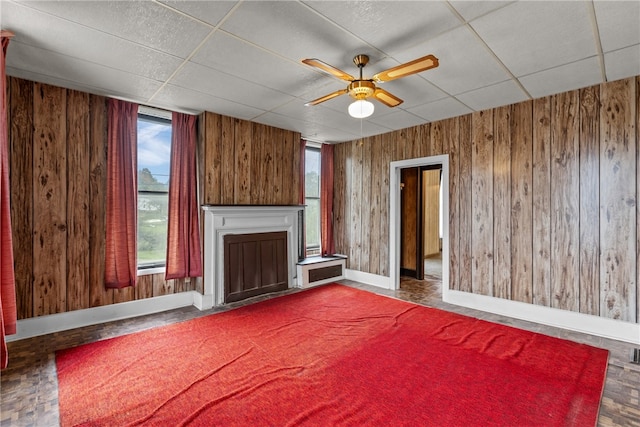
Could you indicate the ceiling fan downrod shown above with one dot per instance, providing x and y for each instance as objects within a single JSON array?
[
  {"x": 361, "y": 89},
  {"x": 360, "y": 61}
]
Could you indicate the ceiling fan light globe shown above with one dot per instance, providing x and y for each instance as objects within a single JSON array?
[{"x": 361, "y": 109}]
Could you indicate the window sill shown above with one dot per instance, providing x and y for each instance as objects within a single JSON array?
[{"x": 147, "y": 271}]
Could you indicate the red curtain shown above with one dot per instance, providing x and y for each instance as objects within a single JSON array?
[
  {"x": 303, "y": 147},
  {"x": 183, "y": 241},
  {"x": 8, "y": 314},
  {"x": 122, "y": 195},
  {"x": 326, "y": 200},
  {"x": 301, "y": 193}
]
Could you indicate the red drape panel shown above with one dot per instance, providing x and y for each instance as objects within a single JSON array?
[
  {"x": 184, "y": 257},
  {"x": 301, "y": 186},
  {"x": 122, "y": 195},
  {"x": 8, "y": 313},
  {"x": 326, "y": 200}
]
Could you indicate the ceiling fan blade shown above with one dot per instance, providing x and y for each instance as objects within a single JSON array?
[
  {"x": 330, "y": 69},
  {"x": 412, "y": 67},
  {"x": 326, "y": 97},
  {"x": 386, "y": 98}
]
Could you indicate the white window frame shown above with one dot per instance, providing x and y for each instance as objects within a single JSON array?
[
  {"x": 316, "y": 147},
  {"x": 163, "y": 116}
]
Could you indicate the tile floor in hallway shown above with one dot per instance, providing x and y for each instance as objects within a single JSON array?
[{"x": 29, "y": 388}]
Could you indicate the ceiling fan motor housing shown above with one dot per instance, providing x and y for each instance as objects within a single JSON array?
[{"x": 361, "y": 89}]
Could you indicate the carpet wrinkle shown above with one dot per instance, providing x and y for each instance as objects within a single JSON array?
[
  {"x": 444, "y": 328},
  {"x": 238, "y": 392},
  {"x": 189, "y": 386},
  {"x": 241, "y": 389},
  {"x": 483, "y": 337}
]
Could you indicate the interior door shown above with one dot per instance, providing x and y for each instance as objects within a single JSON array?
[{"x": 411, "y": 240}]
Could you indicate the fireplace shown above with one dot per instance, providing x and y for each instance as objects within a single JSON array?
[{"x": 221, "y": 221}]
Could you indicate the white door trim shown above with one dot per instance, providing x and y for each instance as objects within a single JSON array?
[{"x": 394, "y": 216}]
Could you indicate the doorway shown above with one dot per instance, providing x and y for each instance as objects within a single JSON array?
[
  {"x": 420, "y": 222},
  {"x": 395, "y": 216},
  {"x": 431, "y": 204}
]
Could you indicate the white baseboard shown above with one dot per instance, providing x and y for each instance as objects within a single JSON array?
[
  {"x": 202, "y": 302},
  {"x": 42, "y": 325},
  {"x": 593, "y": 325},
  {"x": 571, "y": 320},
  {"x": 383, "y": 282}
]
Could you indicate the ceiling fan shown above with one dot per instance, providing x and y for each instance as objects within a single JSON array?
[{"x": 360, "y": 89}]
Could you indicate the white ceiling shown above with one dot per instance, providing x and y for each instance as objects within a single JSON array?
[{"x": 242, "y": 59}]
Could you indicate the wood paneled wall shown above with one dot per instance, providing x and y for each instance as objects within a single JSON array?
[
  {"x": 543, "y": 199},
  {"x": 246, "y": 163},
  {"x": 58, "y": 152}
]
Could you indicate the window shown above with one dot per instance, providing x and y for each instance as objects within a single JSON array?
[
  {"x": 312, "y": 199},
  {"x": 154, "y": 155}
]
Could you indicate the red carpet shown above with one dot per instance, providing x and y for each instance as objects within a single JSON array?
[{"x": 329, "y": 356}]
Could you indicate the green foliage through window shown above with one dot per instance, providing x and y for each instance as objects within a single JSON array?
[
  {"x": 154, "y": 153},
  {"x": 312, "y": 198}
]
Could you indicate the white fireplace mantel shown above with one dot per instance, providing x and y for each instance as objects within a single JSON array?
[{"x": 222, "y": 220}]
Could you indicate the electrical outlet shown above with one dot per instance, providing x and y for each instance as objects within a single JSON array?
[{"x": 635, "y": 355}]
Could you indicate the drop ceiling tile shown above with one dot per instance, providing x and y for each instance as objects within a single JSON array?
[
  {"x": 210, "y": 12},
  {"x": 294, "y": 31},
  {"x": 68, "y": 38},
  {"x": 505, "y": 93},
  {"x": 81, "y": 75},
  {"x": 310, "y": 131},
  {"x": 329, "y": 135},
  {"x": 412, "y": 22},
  {"x": 442, "y": 109},
  {"x": 147, "y": 23},
  {"x": 414, "y": 90},
  {"x": 280, "y": 121},
  {"x": 190, "y": 101},
  {"x": 233, "y": 56},
  {"x": 622, "y": 63},
  {"x": 564, "y": 78},
  {"x": 207, "y": 80},
  {"x": 399, "y": 119},
  {"x": 366, "y": 127},
  {"x": 473, "y": 9},
  {"x": 464, "y": 62},
  {"x": 618, "y": 23},
  {"x": 318, "y": 114},
  {"x": 533, "y": 36}
]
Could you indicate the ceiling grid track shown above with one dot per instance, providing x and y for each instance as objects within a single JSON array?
[{"x": 598, "y": 41}]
